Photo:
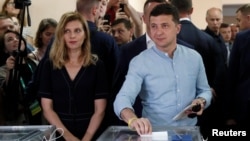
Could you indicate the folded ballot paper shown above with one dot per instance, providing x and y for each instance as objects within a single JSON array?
[
  {"x": 182, "y": 114},
  {"x": 156, "y": 136}
]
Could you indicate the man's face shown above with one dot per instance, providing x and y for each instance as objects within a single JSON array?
[
  {"x": 6, "y": 24},
  {"x": 234, "y": 31},
  {"x": 243, "y": 20},
  {"x": 214, "y": 20},
  {"x": 226, "y": 33},
  {"x": 163, "y": 31},
  {"x": 121, "y": 34}
]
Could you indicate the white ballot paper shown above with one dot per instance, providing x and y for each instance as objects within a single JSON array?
[
  {"x": 183, "y": 114},
  {"x": 159, "y": 136}
]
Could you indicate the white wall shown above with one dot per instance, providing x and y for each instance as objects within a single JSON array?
[{"x": 40, "y": 9}]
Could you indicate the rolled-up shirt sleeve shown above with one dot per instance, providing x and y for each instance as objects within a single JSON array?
[{"x": 130, "y": 88}]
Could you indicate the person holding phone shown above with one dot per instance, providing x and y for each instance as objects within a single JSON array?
[{"x": 123, "y": 9}]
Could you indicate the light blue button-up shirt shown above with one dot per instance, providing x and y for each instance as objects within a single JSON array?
[{"x": 166, "y": 85}]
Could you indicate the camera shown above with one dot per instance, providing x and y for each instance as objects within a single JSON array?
[{"x": 19, "y": 4}]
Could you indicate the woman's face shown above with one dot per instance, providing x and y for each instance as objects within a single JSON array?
[
  {"x": 47, "y": 34},
  {"x": 103, "y": 7},
  {"x": 11, "y": 41},
  {"x": 10, "y": 8},
  {"x": 74, "y": 35}
]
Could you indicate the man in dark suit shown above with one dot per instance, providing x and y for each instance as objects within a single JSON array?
[
  {"x": 102, "y": 44},
  {"x": 239, "y": 81},
  {"x": 212, "y": 58},
  {"x": 128, "y": 52}
]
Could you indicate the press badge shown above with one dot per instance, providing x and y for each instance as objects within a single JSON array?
[{"x": 35, "y": 108}]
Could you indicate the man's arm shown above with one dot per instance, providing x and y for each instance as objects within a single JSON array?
[{"x": 141, "y": 125}]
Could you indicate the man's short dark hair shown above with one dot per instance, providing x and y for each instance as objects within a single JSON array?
[
  {"x": 182, "y": 5},
  {"x": 166, "y": 9},
  {"x": 244, "y": 9},
  {"x": 127, "y": 23},
  {"x": 224, "y": 25},
  {"x": 84, "y": 6}
]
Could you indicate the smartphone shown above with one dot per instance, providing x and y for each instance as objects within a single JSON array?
[
  {"x": 107, "y": 17},
  {"x": 121, "y": 7}
]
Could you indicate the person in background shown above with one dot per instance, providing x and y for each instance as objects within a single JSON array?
[
  {"x": 157, "y": 76},
  {"x": 234, "y": 30},
  {"x": 74, "y": 85},
  {"x": 5, "y": 24},
  {"x": 44, "y": 34},
  {"x": 43, "y": 39},
  {"x": 238, "y": 106},
  {"x": 102, "y": 44},
  {"x": 15, "y": 23},
  {"x": 122, "y": 31},
  {"x": 225, "y": 31},
  {"x": 101, "y": 21},
  {"x": 15, "y": 75},
  {"x": 103, "y": 7},
  {"x": 214, "y": 19},
  {"x": 8, "y": 8},
  {"x": 243, "y": 17}
]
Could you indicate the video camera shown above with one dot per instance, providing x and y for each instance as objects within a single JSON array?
[{"x": 20, "y": 4}]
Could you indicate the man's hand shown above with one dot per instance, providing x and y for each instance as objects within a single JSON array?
[{"x": 141, "y": 125}]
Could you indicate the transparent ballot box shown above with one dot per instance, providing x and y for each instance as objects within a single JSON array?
[
  {"x": 123, "y": 133},
  {"x": 27, "y": 133}
]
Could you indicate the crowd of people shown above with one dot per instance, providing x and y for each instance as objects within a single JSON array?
[{"x": 95, "y": 68}]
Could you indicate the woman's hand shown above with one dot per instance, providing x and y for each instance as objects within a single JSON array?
[{"x": 10, "y": 62}]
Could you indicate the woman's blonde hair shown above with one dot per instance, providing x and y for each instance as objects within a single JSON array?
[{"x": 58, "y": 54}]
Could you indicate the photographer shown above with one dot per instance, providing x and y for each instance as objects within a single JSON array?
[{"x": 14, "y": 76}]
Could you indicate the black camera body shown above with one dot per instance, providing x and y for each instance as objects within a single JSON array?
[{"x": 19, "y": 4}]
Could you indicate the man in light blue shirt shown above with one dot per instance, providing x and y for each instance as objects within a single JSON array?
[{"x": 168, "y": 77}]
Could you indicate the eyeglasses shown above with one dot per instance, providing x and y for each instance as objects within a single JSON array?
[{"x": 11, "y": 4}]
